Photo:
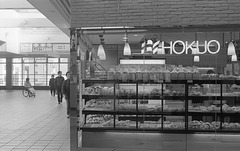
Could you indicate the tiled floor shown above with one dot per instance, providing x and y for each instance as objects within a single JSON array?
[{"x": 32, "y": 124}]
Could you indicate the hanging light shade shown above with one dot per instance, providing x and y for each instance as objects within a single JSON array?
[
  {"x": 234, "y": 58},
  {"x": 101, "y": 53},
  {"x": 231, "y": 49},
  {"x": 127, "y": 49},
  {"x": 196, "y": 59}
]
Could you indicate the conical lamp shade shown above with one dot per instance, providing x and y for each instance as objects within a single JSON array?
[
  {"x": 234, "y": 58},
  {"x": 127, "y": 49},
  {"x": 196, "y": 59},
  {"x": 231, "y": 49},
  {"x": 101, "y": 53}
]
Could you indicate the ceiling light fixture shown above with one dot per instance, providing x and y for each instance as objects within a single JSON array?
[
  {"x": 231, "y": 49},
  {"x": 101, "y": 52},
  {"x": 127, "y": 49}
]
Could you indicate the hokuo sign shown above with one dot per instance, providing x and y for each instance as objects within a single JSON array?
[{"x": 188, "y": 48}]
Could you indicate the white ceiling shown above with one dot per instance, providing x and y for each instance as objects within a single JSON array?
[
  {"x": 32, "y": 14},
  {"x": 22, "y": 14}
]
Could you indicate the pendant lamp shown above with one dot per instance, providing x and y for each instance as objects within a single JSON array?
[
  {"x": 234, "y": 58},
  {"x": 231, "y": 49},
  {"x": 127, "y": 49},
  {"x": 101, "y": 52}
]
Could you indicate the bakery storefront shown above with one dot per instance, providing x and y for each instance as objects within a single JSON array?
[{"x": 146, "y": 90}]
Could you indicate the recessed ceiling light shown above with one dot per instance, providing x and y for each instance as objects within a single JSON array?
[{"x": 135, "y": 35}]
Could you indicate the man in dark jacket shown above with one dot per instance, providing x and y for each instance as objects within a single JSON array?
[
  {"x": 66, "y": 91},
  {"x": 58, "y": 83}
]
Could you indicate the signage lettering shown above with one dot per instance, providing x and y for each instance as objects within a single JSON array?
[{"x": 190, "y": 48}]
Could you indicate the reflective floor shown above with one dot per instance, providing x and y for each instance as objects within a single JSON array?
[{"x": 33, "y": 124}]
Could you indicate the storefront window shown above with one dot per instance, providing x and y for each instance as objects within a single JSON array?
[
  {"x": 52, "y": 59},
  {"x": 17, "y": 75},
  {"x": 63, "y": 60},
  {"x": 28, "y": 60},
  {"x": 40, "y": 80},
  {"x": 53, "y": 68},
  {"x": 63, "y": 68},
  {"x": 40, "y": 74},
  {"x": 41, "y": 60},
  {"x": 39, "y": 70},
  {"x": 17, "y": 60},
  {"x": 28, "y": 69},
  {"x": 2, "y": 71}
]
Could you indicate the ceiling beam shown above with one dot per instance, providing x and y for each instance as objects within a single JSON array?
[
  {"x": 26, "y": 23},
  {"x": 55, "y": 11},
  {"x": 15, "y": 4}
]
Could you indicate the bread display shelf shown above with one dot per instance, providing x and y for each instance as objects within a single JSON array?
[
  {"x": 89, "y": 97},
  {"x": 131, "y": 104},
  {"x": 91, "y": 111}
]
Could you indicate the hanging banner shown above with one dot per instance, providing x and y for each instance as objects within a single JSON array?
[{"x": 43, "y": 48}]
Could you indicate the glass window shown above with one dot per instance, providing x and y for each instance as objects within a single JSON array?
[
  {"x": 63, "y": 60},
  {"x": 63, "y": 68},
  {"x": 2, "y": 60},
  {"x": 52, "y": 59},
  {"x": 17, "y": 74},
  {"x": 2, "y": 73},
  {"x": 28, "y": 59},
  {"x": 40, "y": 80},
  {"x": 53, "y": 68},
  {"x": 40, "y": 59},
  {"x": 17, "y": 60},
  {"x": 28, "y": 68},
  {"x": 40, "y": 69}
]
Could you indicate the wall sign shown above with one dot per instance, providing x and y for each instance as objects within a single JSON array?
[
  {"x": 188, "y": 48},
  {"x": 61, "y": 48},
  {"x": 25, "y": 47},
  {"x": 43, "y": 48}
]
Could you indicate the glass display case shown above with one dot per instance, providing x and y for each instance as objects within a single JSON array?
[{"x": 184, "y": 106}]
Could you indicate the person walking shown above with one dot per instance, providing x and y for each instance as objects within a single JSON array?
[
  {"x": 52, "y": 85},
  {"x": 58, "y": 83},
  {"x": 66, "y": 91}
]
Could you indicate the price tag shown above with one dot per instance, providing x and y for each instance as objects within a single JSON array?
[{"x": 189, "y": 81}]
